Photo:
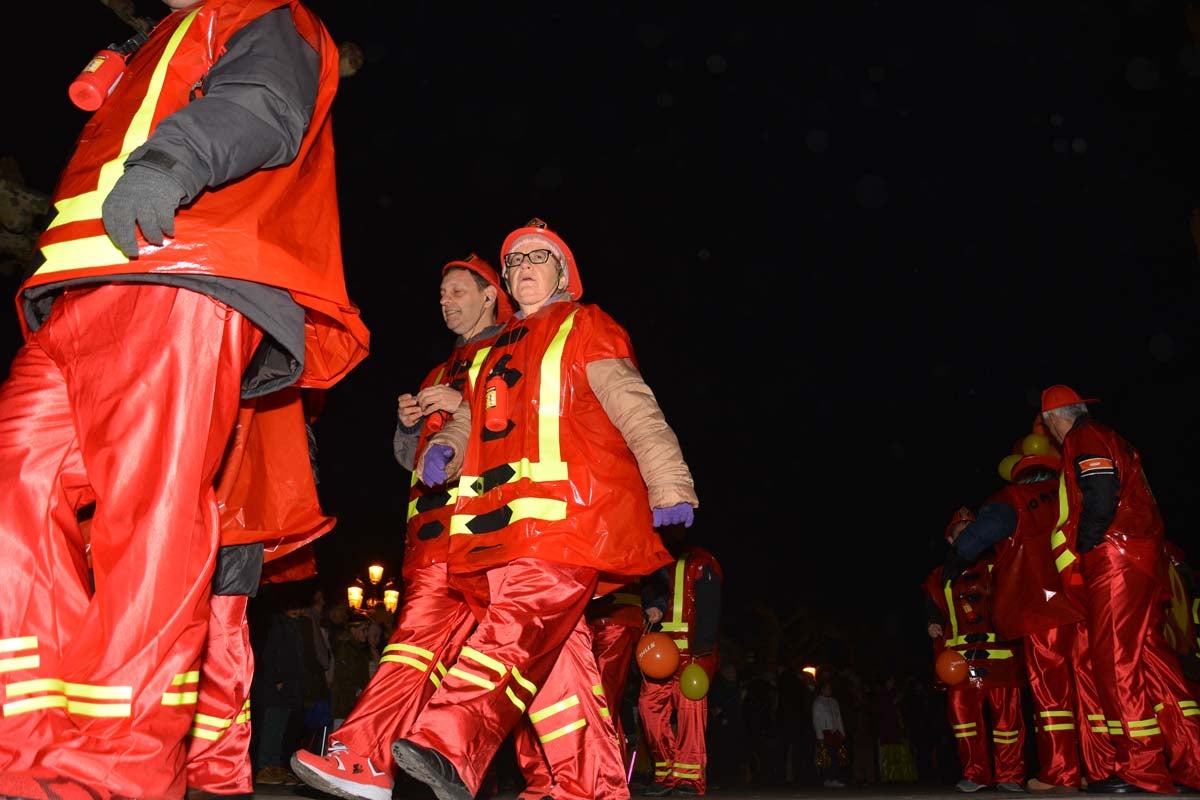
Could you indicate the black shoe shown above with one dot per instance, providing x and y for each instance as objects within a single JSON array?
[
  {"x": 656, "y": 790},
  {"x": 1112, "y": 785},
  {"x": 687, "y": 790},
  {"x": 432, "y": 769}
]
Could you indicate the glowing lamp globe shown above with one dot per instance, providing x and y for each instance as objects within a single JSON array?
[
  {"x": 693, "y": 681},
  {"x": 657, "y": 655},
  {"x": 951, "y": 667}
]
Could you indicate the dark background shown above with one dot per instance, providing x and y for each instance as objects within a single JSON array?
[{"x": 851, "y": 242}]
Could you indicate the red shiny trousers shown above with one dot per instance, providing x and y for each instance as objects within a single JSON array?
[
  {"x": 125, "y": 396},
  {"x": 432, "y": 625},
  {"x": 1147, "y": 705},
  {"x": 613, "y": 644},
  {"x": 679, "y": 752},
  {"x": 218, "y": 755},
  {"x": 531, "y": 653},
  {"x": 964, "y": 710},
  {"x": 1065, "y": 703}
]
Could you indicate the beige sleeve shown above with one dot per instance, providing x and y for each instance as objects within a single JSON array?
[
  {"x": 456, "y": 433},
  {"x": 635, "y": 412}
]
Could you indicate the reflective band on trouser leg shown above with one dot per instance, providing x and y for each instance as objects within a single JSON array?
[
  {"x": 432, "y": 625},
  {"x": 691, "y": 756},
  {"x": 155, "y": 383},
  {"x": 1052, "y": 687},
  {"x": 578, "y": 739},
  {"x": 43, "y": 570},
  {"x": 1097, "y": 750},
  {"x": 1177, "y": 713},
  {"x": 655, "y": 704},
  {"x": 1008, "y": 735},
  {"x": 1121, "y": 601},
  {"x": 504, "y": 662},
  {"x": 964, "y": 710},
  {"x": 218, "y": 755}
]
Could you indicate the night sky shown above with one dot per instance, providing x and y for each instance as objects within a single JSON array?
[{"x": 851, "y": 243}]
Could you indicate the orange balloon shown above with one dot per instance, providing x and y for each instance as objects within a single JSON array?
[
  {"x": 657, "y": 655},
  {"x": 951, "y": 667}
]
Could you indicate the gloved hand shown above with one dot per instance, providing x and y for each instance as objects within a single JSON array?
[
  {"x": 680, "y": 513},
  {"x": 433, "y": 471},
  {"x": 144, "y": 197},
  {"x": 953, "y": 566}
]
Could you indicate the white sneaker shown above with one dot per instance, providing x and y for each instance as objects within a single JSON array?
[
  {"x": 834, "y": 783},
  {"x": 968, "y": 786}
]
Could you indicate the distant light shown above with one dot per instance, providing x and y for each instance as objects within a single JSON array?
[{"x": 811, "y": 671}]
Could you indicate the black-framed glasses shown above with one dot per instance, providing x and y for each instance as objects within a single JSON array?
[{"x": 514, "y": 260}]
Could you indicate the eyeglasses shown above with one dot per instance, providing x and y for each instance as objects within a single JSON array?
[{"x": 514, "y": 260}]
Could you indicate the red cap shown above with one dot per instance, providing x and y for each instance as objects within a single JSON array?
[
  {"x": 483, "y": 269},
  {"x": 1051, "y": 460},
  {"x": 537, "y": 227},
  {"x": 1058, "y": 396},
  {"x": 963, "y": 514}
]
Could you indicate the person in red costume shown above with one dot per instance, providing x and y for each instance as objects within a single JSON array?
[
  {"x": 684, "y": 600},
  {"x": 435, "y": 618},
  {"x": 959, "y": 617},
  {"x": 193, "y": 261},
  {"x": 565, "y": 466},
  {"x": 1113, "y": 525},
  {"x": 1030, "y": 601}
]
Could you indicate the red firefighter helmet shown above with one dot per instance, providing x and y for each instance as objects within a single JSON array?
[
  {"x": 476, "y": 264},
  {"x": 1057, "y": 396},
  {"x": 537, "y": 227}
]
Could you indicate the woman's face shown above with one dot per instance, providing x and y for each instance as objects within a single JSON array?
[{"x": 530, "y": 284}]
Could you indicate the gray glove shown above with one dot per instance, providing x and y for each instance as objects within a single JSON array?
[{"x": 142, "y": 196}]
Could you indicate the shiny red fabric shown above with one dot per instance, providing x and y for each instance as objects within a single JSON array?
[
  {"x": 276, "y": 226},
  {"x": 218, "y": 755},
  {"x": 606, "y": 522},
  {"x": 1000, "y": 760},
  {"x": 678, "y": 750},
  {"x": 1062, "y": 730},
  {"x": 431, "y": 627},
  {"x": 1027, "y": 589},
  {"x": 127, "y": 395},
  {"x": 613, "y": 644},
  {"x": 1135, "y": 670},
  {"x": 679, "y": 622},
  {"x": 536, "y": 607}
]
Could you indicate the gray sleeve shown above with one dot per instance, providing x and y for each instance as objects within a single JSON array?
[
  {"x": 404, "y": 446},
  {"x": 257, "y": 102}
]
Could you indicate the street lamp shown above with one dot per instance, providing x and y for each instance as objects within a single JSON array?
[{"x": 365, "y": 597}]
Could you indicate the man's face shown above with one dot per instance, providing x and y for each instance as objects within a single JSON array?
[
  {"x": 179, "y": 5},
  {"x": 462, "y": 301}
]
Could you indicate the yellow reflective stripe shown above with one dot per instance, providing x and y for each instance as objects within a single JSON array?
[
  {"x": 15, "y": 707},
  {"x": 1059, "y": 726},
  {"x": 536, "y": 471},
  {"x": 516, "y": 701},
  {"x": 211, "y": 721},
  {"x": 412, "y": 662},
  {"x": 243, "y": 717},
  {"x": 99, "y": 709},
  {"x": 470, "y": 677},
  {"x": 563, "y": 731},
  {"x": 186, "y": 677},
  {"x": 206, "y": 734},
  {"x": 673, "y": 627},
  {"x": 408, "y": 648},
  {"x": 1056, "y": 713},
  {"x": 677, "y": 600},
  {"x": 998, "y": 655},
  {"x": 36, "y": 685},
  {"x": 551, "y": 710},
  {"x": 1188, "y": 704},
  {"x": 99, "y": 250},
  {"x": 961, "y": 725},
  {"x": 16, "y": 643},
  {"x": 483, "y": 660},
  {"x": 598, "y": 690},
  {"x": 22, "y": 662},
  {"x": 549, "y": 388},
  {"x": 1158, "y": 707},
  {"x": 1144, "y": 732},
  {"x": 964, "y": 734},
  {"x": 97, "y": 692},
  {"x": 1057, "y": 539},
  {"x": 524, "y": 683},
  {"x": 522, "y": 508},
  {"x": 605, "y": 713},
  {"x": 1191, "y": 712},
  {"x": 687, "y": 766},
  {"x": 681, "y": 643},
  {"x": 1063, "y": 560},
  {"x": 179, "y": 698},
  {"x": 1004, "y": 737},
  {"x": 451, "y": 499}
]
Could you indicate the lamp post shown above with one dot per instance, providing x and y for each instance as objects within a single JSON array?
[{"x": 366, "y": 597}]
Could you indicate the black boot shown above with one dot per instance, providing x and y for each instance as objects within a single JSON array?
[{"x": 432, "y": 769}]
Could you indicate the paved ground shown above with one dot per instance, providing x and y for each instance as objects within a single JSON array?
[{"x": 916, "y": 791}]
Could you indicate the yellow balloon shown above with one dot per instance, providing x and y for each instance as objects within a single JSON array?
[
  {"x": 1007, "y": 463},
  {"x": 1036, "y": 444},
  {"x": 693, "y": 681}
]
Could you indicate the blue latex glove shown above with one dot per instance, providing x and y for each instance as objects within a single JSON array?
[
  {"x": 433, "y": 472},
  {"x": 678, "y": 514}
]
